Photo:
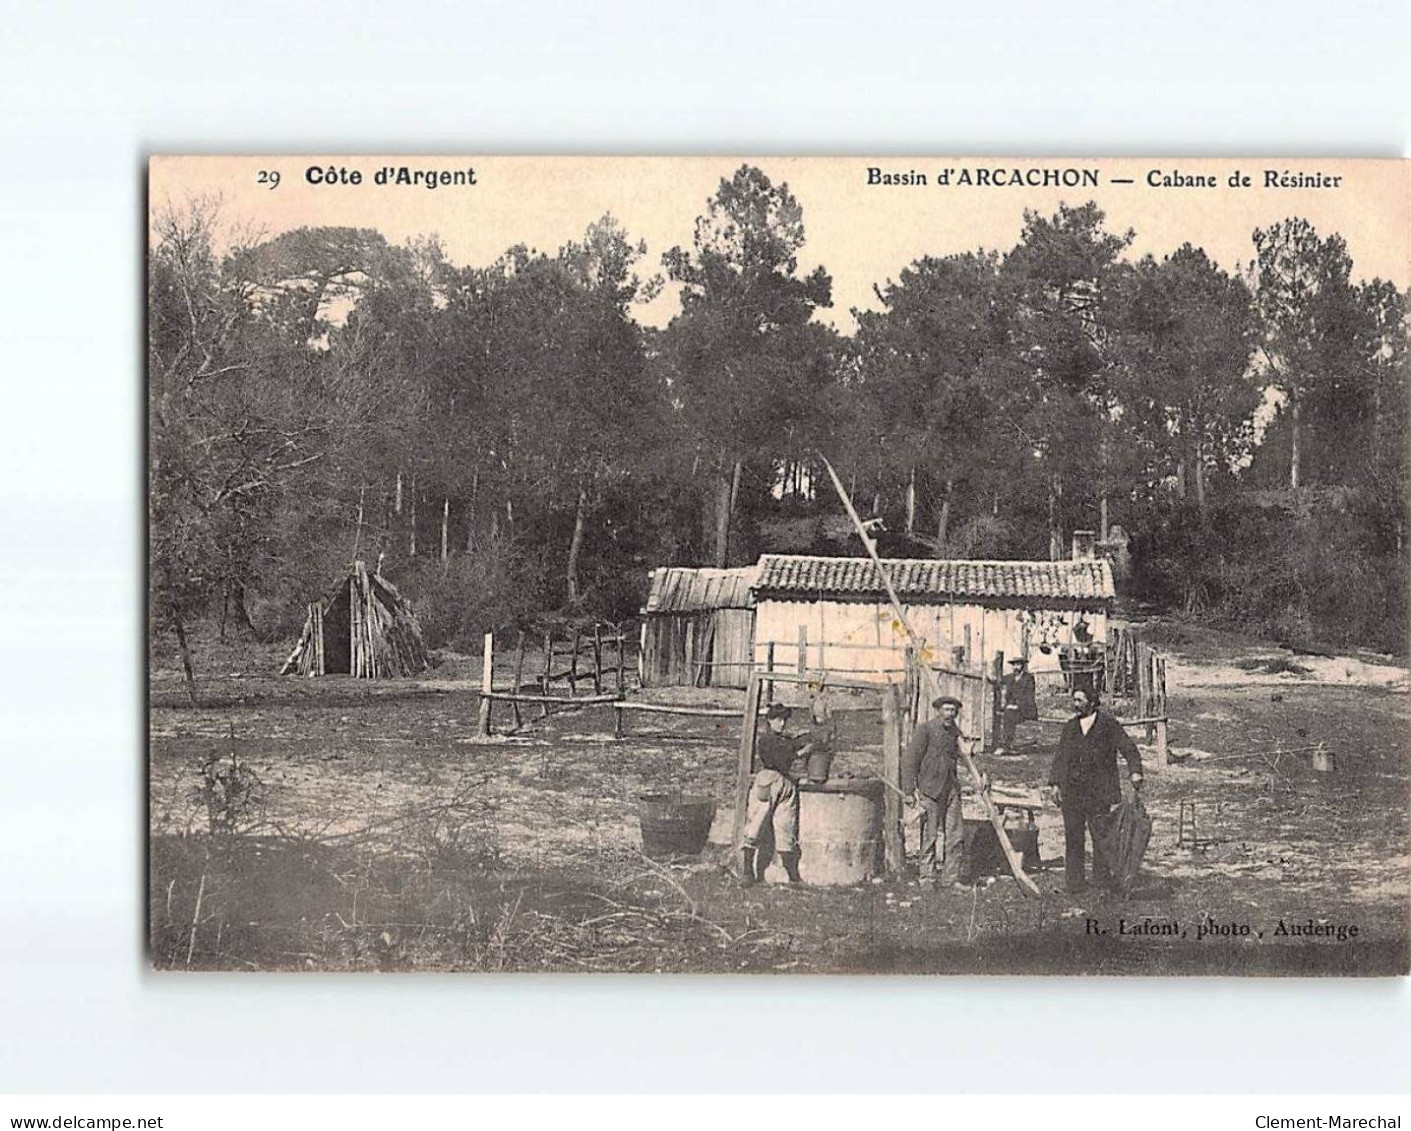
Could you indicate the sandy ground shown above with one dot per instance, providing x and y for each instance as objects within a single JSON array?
[{"x": 373, "y": 772}]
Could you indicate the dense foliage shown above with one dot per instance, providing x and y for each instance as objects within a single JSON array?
[{"x": 510, "y": 443}]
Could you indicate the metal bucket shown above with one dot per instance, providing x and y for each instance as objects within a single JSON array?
[
  {"x": 819, "y": 763},
  {"x": 673, "y": 824},
  {"x": 840, "y": 833}
]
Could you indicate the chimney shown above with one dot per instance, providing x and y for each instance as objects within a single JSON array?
[{"x": 1084, "y": 545}]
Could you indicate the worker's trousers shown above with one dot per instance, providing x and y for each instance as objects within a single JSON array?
[
  {"x": 773, "y": 806},
  {"x": 943, "y": 836},
  {"x": 1077, "y": 824}
]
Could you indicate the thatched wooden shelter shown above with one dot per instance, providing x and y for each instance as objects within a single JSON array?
[{"x": 363, "y": 628}]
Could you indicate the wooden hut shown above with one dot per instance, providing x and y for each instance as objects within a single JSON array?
[
  {"x": 364, "y": 628},
  {"x": 698, "y": 628},
  {"x": 832, "y": 613}
]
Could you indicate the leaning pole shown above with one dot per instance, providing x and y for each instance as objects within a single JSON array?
[{"x": 1016, "y": 864}]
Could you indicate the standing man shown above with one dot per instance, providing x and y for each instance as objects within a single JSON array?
[
  {"x": 1021, "y": 703},
  {"x": 1085, "y": 783},
  {"x": 773, "y": 805},
  {"x": 928, "y": 775}
]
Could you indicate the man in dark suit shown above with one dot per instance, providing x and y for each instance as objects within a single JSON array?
[
  {"x": 928, "y": 776},
  {"x": 1021, "y": 703},
  {"x": 1085, "y": 782}
]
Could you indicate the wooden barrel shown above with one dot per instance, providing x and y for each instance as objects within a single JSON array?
[
  {"x": 840, "y": 833},
  {"x": 673, "y": 824}
]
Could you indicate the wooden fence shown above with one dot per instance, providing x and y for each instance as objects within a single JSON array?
[{"x": 578, "y": 668}]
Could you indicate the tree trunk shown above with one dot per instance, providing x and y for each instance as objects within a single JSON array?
[
  {"x": 242, "y": 610},
  {"x": 1055, "y": 537},
  {"x": 224, "y": 609},
  {"x": 397, "y": 498},
  {"x": 185, "y": 658},
  {"x": 911, "y": 503},
  {"x": 735, "y": 486},
  {"x": 943, "y": 526},
  {"x": 1199, "y": 461},
  {"x": 1102, "y": 516},
  {"x": 575, "y": 545},
  {"x": 445, "y": 530},
  {"x": 358, "y": 529},
  {"x": 722, "y": 520},
  {"x": 411, "y": 542},
  {"x": 470, "y": 518},
  {"x": 1295, "y": 412},
  {"x": 1181, "y": 478}
]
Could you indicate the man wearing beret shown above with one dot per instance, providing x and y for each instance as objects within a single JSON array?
[
  {"x": 928, "y": 775},
  {"x": 1085, "y": 783},
  {"x": 773, "y": 803}
]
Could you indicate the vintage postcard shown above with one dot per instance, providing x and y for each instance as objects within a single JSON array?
[{"x": 840, "y": 565}]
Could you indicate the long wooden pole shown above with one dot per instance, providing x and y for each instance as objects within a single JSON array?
[
  {"x": 1016, "y": 864},
  {"x": 487, "y": 682}
]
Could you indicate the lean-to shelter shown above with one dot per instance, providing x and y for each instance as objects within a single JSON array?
[{"x": 364, "y": 628}]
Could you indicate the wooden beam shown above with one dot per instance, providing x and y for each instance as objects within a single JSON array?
[
  {"x": 744, "y": 770},
  {"x": 575, "y": 700},
  {"x": 487, "y": 678},
  {"x": 893, "y": 844}
]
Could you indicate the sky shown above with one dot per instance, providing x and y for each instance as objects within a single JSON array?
[{"x": 864, "y": 234}]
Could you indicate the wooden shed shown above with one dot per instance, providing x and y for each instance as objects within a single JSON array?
[
  {"x": 698, "y": 627},
  {"x": 833, "y": 613}
]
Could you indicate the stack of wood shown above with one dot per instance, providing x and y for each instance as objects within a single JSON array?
[{"x": 364, "y": 628}]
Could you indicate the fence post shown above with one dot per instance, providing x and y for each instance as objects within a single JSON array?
[
  {"x": 597, "y": 659},
  {"x": 548, "y": 675},
  {"x": 893, "y": 842},
  {"x": 769, "y": 668},
  {"x": 744, "y": 770},
  {"x": 998, "y": 704},
  {"x": 487, "y": 676},
  {"x": 518, "y": 678}
]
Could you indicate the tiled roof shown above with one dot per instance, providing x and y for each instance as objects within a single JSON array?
[
  {"x": 922, "y": 579},
  {"x": 678, "y": 590}
]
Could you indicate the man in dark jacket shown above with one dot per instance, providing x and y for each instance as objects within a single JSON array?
[
  {"x": 928, "y": 775},
  {"x": 1085, "y": 781},
  {"x": 1021, "y": 703}
]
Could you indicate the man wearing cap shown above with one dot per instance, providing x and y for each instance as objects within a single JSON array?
[
  {"x": 1085, "y": 783},
  {"x": 928, "y": 775},
  {"x": 773, "y": 803},
  {"x": 1021, "y": 704}
]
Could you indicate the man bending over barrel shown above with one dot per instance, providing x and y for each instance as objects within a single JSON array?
[{"x": 774, "y": 802}]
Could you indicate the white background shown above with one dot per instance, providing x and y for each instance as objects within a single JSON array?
[{"x": 86, "y": 91}]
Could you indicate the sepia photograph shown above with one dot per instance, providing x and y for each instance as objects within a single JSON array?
[{"x": 846, "y": 565}]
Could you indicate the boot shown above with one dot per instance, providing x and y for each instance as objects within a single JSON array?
[
  {"x": 748, "y": 879},
  {"x": 790, "y": 860}
]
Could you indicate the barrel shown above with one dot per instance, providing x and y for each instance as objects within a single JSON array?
[
  {"x": 674, "y": 824},
  {"x": 840, "y": 833}
]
